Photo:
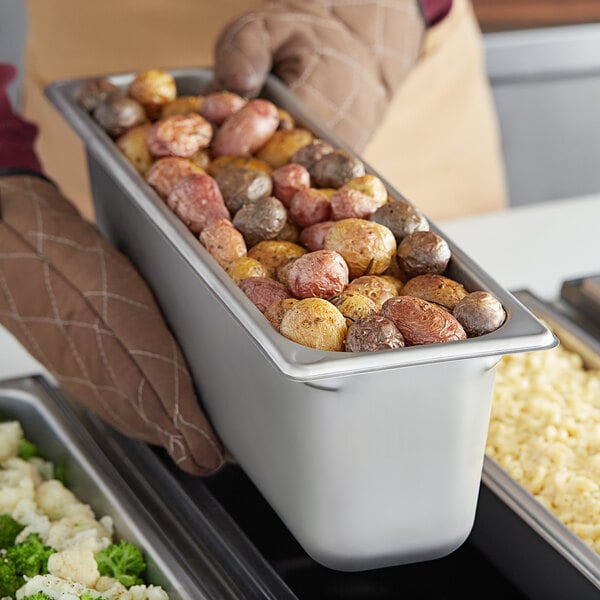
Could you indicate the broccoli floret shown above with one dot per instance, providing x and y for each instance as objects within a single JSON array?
[
  {"x": 9, "y": 530},
  {"x": 26, "y": 449},
  {"x": 37, "y": 596},
  {"x": 86, "y": 596},
  {"x": 30, "y": 557},
  {"x": 123, "y": 561},
  {"x": 10, "y": 581}
]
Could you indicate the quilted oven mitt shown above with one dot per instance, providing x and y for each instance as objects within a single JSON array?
[
  {"x": 343, "y": 60},
  {"x": 81, "y": 309}
]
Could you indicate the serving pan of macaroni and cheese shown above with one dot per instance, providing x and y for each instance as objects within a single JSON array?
[{"x": 538, "y": 516}]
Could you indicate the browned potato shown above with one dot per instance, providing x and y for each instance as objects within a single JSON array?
[
  {"x": 354, "y": 305},
  {"x": 289, "y": 233},
  {"x": 134, "y": 146},
  {"x": 397, "y": 283},
  {"x": 95, "y": 91},
  {"x": 367, "y": 247},
  {"x": 371, "y": 186},
  {"x": 117, "y": 113},
  {"x": 201, "y": 159},
  {"x": 197, "y": 201},
  {"x": 335, "y": 169},
  {"x": 313, "y": 237},
  {"x": 347, "y": 203},
  {"x": 219, "y": 106},
  {"x": 218, "y": 165},
  {"x": 435, "y": 288},
  {"x": 286, "y": 121},
  {"x": 260, "y": 220},
  {"x": 401, "y": 218},
  {"x": 166, "y": 172},
  {"x": 182, "y": 105},
  {"x": 274, "y": 253},
  {"x": 309, "y": 206},
  {"x": 479, "y": 312},
  {"x": 263, "y": 291},
  {"x": 320, "y": 274},
  {"x": 287, "y": 180},
  {"x": 179, "y": 135},
  {"x": 373, "y": 333},
  {"x": 375, "y": 287},
  {"x": 246, "y": 130},
  {"x": 275, "y": 312},
  {"x": 153, "y": 89},
  {"x": 315, "y": 323},
  {"x": 282, "y": 271},
  {"x": 283, "y": 144},
  {"x": 309, "y": 155},
  {"x": 241, "y": 185},
  {"x": 422, "y": 252},
  {"x": 223, "y": 242},
  {"x": 422, "y": 322},
  {"x": 244, "y": 267}
]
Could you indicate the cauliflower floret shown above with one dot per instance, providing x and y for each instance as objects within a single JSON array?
[
  {"x": 112, "y": 589},
  {"x": 45, "y": 467},
  {"x": 71, "y": 532},
  {"x": 54, "y": 587},
  {"x": 151, "y": 592},
  {"x": 14, "y": 487},
  {"x": 75, "y": 564},
  {"x": 25, "y": 467},
  {"x": 107, "y": 522},
  {"x": 58, "y": 502},
  {"x": 11, "y": 433},
  {"x": 27, "y": 513}
]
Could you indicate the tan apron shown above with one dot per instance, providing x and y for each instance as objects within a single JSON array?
[{"x": 438, "y": 143}]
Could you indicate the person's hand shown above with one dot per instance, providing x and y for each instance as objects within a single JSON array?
[
  {"x": 17, "y": 136},
  {"x": 343, "y": 60}
]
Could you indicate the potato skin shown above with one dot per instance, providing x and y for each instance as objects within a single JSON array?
[
  {"x": 241, "y": 185},
  {"x": 367, "y": 247},
  {"x": 313, "y": 236},
  {"x": 479, "y": 313},
  {"x": 435, "y": 288},
  {"x": 134, "y": 146},
  {"x": 309, "y": 206},
  {"x": 309, "y": 155},
  {"x": 422, "y": 252},
  {"x": 94, "y": 91},
  {"x": 166, "y": 172},
  {"x": 223, "y": 241},
  {"x": 335, "y": 169},
  {"x": 282, "y": 145},
  {"x": 375, "y": 287},
  {"x": 373, "y": 333},
  {"x": 218, "y": 165},
  {"x": 197, "y": 201},
  {"x": 219, "y": 106},
  {"x": 287, "y": 180},
  {"x": 274, "y": 253},
  {"x": 401, "y": 218},
  {"x": 315, "y": 323},
  {"x": 246, "y": 130},
  {"x": 263, "y": 291},
  {"x": 260, "y": 220},
  {"x": 179, "y": 135},
  {"x": 422, "y": 322},
  {"x": 354, "y": 305},
  {"x": 244, "y": 267},
  {"x": 347, "y": 203},
  {"x": 320, "y": 274},
  {"x": 153, "y": 89},
  {"x": 182, "y": 105},
  {"x": 117, "y": 113},
  {"x": 275, "y": 311}
]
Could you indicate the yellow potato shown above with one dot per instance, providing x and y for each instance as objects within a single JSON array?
[{"x": 279, "y": 149}]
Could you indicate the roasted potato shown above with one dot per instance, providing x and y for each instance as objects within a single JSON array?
[
  {"x": 223, "y": 241},
  {"x": 435, "y": 288},
  {"x": 117, "y": 113},
  {"x": 422, "y": 252},
  {"x": 133, "y": 144},
  {"x": 219, "y": 106},
  {"x": 274, "y": 253},
  {"x": 282, "y": 145},
  {"x": 241, "y": 185},
  {"x": 479, "y": 313},
  {"x": 263, "y": 291},
  {"x": 320, "y": 274},
  {"x": 179, "y": 135},
  {"x": 373, "y": 333},
  {"x": 153, "y": 89},
  {"x": 166, "y": 172},
  {"x": 335, "y": 169},
  {"x": 244, "y": 267},
  {"x": 260, "y": 220},
  {"x": 401, "y": 218}
]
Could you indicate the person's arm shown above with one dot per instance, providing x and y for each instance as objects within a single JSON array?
[{"x": 17, "y": 136}]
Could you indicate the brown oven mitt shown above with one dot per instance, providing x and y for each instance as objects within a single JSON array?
[
  {"x": 344, "y": 60},
  {"x": 81, "y": 309}
]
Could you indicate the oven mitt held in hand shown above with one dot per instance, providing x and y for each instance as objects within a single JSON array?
[
  {"x": 343, "y": 60},
  {"x": 82, "y": 310}
]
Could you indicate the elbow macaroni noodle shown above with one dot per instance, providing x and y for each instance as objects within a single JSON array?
[{"x": 545, "y": 432}]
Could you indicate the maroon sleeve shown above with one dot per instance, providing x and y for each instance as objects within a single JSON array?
[
  {"x": 16, "y": 135},
  {"x": 435, "y": 10}
]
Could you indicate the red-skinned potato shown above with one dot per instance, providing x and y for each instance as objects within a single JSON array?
[
  {"x": 166, "y": 172},
  {"x": 223, "y": 241},
  {"x": 422, "y": 322},
  {"x": 263, "y": 291},
  {"x": 320, "y": 274},
  {"x": 219, "y": 106},
  {"x": 197, "y": 201},
  {"x": 287, "y": 180},
  {"x": 179, "y": 135},
  {"x": 309, "y": 206},
  {"x": 313, "y": 237},
  {"x": 246, "y": 130}
]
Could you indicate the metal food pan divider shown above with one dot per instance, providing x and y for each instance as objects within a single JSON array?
[{"x": 371, "y": 459}]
